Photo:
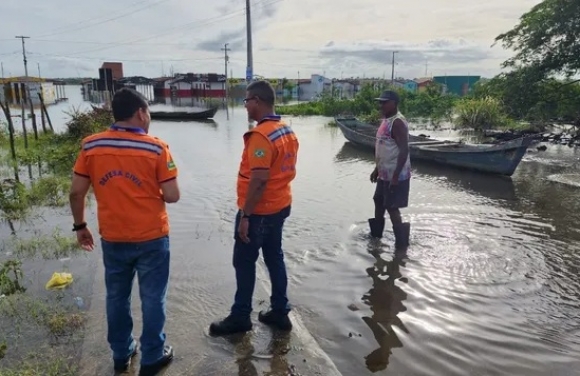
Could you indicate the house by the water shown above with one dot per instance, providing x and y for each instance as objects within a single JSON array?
[
  {"x": 191, "y": 85},
  {"x": 458, "y": 85},
  {"x": 14, "y": 90}
]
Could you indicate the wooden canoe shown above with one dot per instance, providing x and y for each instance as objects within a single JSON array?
[
  {"x": 183, "y": 115},
  {"x": 501, "y": 159}
]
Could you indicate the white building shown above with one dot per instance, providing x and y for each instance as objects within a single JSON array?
[{"x": 313, "y": 88}]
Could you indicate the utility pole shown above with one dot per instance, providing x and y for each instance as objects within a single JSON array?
[
  {"x": 393, "y": 68},
  {"x": 226, "y": 61},
  {"x": 298, "y": 88},
  {"x": 22, "y": 37},
  {"x": 426, "y": 67},
  {"x": 2, "y": 68},
  {"x": 38, "y": 64},
  {"x": 250, "y": 67},
  {"x": 24, "y": 53}
]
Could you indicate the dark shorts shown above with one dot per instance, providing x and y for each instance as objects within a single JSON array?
[{"x": 395, "y": 197}]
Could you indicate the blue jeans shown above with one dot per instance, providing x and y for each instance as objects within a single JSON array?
[
  {"x": 265, "y": 232},
  {"x": 150, "y": 260}
]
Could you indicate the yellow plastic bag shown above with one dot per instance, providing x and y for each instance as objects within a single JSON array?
[{"x": 59, "y": 281}]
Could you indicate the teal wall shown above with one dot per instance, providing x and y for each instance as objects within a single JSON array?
[{"x": 458, "y": 85}]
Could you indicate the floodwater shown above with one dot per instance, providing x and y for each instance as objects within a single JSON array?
[{"x": 489, "y": 286}]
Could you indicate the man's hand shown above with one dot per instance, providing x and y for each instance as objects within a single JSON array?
[
  {"x": 395, "y": 180},
  {"x": 374, "y": 175},
  {"x": 85, "y": 239},
  {"x": 243, "y": 229}
]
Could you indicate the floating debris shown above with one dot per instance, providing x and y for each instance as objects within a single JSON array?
[
  {"x": 59, "y": 281},
  {"x": 353, "y": 307}
]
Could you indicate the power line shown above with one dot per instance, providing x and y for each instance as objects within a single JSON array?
[
  {"x": 105, "y": 20},
  {"x": 93, "y": 18},
  {"x": 124, "y": 60},
  {"x": 10, "y": 53},
  {"x": 297, "y": 64},
  {"x": 104, "y": 43},
  {"x": 171, "y": 30}
]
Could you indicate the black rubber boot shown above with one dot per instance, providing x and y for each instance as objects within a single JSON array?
[
  {"x": 402, "y": 233},
  {"x": 377, "y": 226}
]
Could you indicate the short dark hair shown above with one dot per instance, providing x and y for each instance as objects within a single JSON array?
[
  {"x": 126, "y": 102},
  {"x": 263, "y": 90}
]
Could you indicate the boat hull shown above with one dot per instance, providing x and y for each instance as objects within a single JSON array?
[
  {"x": 501, "y": 159},
  {"x": 182, "y": 115}
]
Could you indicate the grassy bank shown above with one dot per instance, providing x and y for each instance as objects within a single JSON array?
[
  {"x": 492, "y": 105},
  {"x": 42, "y": 328}
]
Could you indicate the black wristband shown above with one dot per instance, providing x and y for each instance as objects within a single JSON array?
[
  {"x": 244, "y": 215},
  {"x": 81, "y": 226}
]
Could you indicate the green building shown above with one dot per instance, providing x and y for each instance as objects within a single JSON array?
[{"x": 458, "y": 85}]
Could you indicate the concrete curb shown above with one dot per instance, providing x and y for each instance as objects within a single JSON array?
[{"x": 313, "y": 353}]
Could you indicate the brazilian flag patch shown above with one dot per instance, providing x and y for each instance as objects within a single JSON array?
[{"x": 171, "y": 165}]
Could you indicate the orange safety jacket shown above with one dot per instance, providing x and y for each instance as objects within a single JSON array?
[{"x": 284, "y": 146}]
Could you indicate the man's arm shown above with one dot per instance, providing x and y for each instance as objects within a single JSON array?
[
  {"x": 81, "y": 182},
  {"x": 260, "y": 156},
  {"x": 401, "y": 136},
  {"x": 167, "y": 176}
]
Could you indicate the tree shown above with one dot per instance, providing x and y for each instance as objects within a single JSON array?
[
  {"x": 547, "y": 38},
  {"x": 526, "y": 96}
]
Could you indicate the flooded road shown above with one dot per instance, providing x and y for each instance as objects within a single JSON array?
[
  {"x": 490, "y": 283},
  {"x": 489, "y": 286}
]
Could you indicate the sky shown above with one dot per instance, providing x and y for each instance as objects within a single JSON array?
[{"x": 291, "y": 38}]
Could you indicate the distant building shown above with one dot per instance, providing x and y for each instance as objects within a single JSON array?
[
  {"x": 404, "y": 84},
  {"x": 346, "y": 88},
  {"x": 423, "y": 83},
  {"x": 14, "y": 90},
  {"x": 116, "y": 70},
  {"x": 191, "y": 85},
  {"x": 458, "y": 85},
  {"x": 314, "y": 87}
]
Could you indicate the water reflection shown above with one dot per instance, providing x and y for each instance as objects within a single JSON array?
[
  {"x": 246, "y": 355},
  {"x": 209, "y": 122},
  {"x": 385, "y": 299}
]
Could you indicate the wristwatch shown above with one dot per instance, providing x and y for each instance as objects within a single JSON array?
[
  {"x": 80, "y": 226},
  {"x": 244, "y": 215}
]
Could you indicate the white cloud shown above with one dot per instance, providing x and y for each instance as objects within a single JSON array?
[{"x": 73, "y": 38}]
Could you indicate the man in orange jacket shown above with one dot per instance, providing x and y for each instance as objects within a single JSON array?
[
  {"x": 133, "y": 176},
  {"x": 267, "y": 168}
]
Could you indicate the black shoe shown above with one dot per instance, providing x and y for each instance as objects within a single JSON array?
[
  {"x": 402, "y": 233},
  {"x": 278, "y": 320},
  {"x": 122, "y": 365},
  {"x": 230, "y": 325},
  {"x": 155, "y": 368},
  {"x": 377, "y": 226}
]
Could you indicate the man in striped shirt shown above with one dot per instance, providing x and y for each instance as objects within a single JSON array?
[{"x": 133, "y": 175}]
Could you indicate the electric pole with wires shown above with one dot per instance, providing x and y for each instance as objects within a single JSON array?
[
  {"x": 22, "y": 37},
  {"x": 226, "y": 61},
  {"x": 250, "y": 66}
]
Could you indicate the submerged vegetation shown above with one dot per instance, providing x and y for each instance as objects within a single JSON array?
[
  {"x": 503, "y": 102},
  {"x": 430, "y": 103},
  {"x": 41, "y": 331}
]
